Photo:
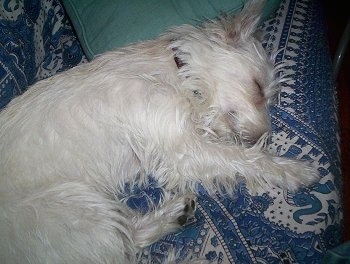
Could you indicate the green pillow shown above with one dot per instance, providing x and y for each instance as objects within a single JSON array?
[{"x": 103, "y": 25}]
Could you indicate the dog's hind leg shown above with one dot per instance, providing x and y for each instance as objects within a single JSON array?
[
  {"x": 163, "y": 220},
  {"x": 65, "y": 223}
]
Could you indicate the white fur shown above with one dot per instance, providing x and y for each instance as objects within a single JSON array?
[{"x": 70, "y": 143}]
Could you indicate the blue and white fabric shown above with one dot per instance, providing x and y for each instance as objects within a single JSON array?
[{"x": 37, "y": 41}]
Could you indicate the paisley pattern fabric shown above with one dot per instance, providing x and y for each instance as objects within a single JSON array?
[
  {"x": 37, "y": 41},
  {"x": 277, "y": 226}
]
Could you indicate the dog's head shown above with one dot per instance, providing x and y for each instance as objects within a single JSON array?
[{"x": 227, "y": 75}]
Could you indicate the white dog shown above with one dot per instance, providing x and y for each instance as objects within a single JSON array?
[{"x": 186, "y": 108}]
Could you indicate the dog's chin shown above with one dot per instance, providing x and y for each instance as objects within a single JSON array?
[
  {"x": 248, "y": 132},
  {"x": 250, "y": 141},
  {"x": 252, "y": 138},
  {"x": 244, "y": 138}
]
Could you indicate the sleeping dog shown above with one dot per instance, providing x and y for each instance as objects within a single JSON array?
[{"x": 189, "y": 107}]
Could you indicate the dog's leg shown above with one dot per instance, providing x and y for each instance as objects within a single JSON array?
[
  {"x": 66, "y": 223},
  {"x": 209, "y": 163},
  {"x": 163, "y": 220}
]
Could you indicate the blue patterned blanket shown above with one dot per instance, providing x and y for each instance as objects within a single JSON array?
[{"x": 37, "y": 41}]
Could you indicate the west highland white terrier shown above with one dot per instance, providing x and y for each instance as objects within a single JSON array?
[{"x": 186, "y": 108}]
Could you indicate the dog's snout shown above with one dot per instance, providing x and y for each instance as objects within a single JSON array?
[{"x": 252, "y": 139}]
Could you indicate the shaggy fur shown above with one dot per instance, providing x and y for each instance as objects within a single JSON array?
[{"x": 186, "y": 108}]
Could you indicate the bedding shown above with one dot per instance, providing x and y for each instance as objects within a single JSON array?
[{"x": 37, "y": 41}]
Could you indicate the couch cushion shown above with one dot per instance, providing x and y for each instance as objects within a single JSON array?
[{"x": 102, "y": 25}]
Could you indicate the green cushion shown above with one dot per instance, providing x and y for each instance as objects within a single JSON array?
[
  {"x": 103, "y": 25},
  {"x": 338, "y": 255}
]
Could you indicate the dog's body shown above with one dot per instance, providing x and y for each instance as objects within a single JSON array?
[{"x": 182, "y": 108}]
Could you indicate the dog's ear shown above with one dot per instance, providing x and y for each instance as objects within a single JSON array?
[{"x": 244, "y": 24}]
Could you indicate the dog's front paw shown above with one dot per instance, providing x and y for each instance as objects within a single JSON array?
[{"x": 296, "y": 174}]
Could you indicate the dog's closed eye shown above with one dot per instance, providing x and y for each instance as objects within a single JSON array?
[
  {"x": 259, "y": 88},
  {"x": 260, "y": 92}
]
